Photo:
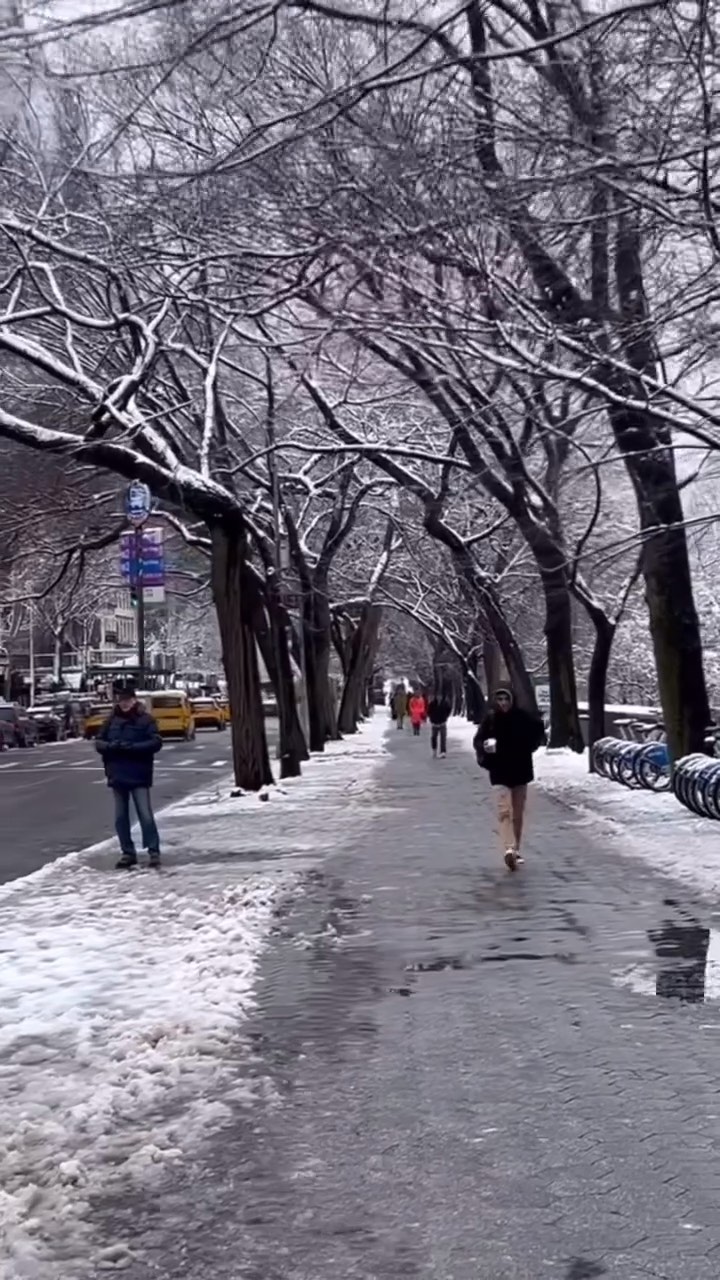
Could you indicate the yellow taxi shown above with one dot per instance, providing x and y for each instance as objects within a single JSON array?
[
  {"x": 224, "y": 706},
  {"x": 171, "y": 711},
  {"x": 96, "y": 715},
  {"x": 208, "y": 713}
]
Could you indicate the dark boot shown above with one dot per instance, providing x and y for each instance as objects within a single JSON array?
[
  {"x": 154, "y": 859},
  {"x": 126, "y": 862}
]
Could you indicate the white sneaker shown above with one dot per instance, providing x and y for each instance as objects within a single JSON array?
[
  {"x": 511, "y": 859},
  {"x": 443, "y": 754}
]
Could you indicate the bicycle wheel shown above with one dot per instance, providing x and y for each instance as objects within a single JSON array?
[
  {"x": 601, "y": 756},
  {"x": 683, "y": 779},
  {"x": 652, "y": 767},
  {"x": 699, "y": 801},
  {"x": 711, "y": 791},
  {"x": 625, "y": 766}
]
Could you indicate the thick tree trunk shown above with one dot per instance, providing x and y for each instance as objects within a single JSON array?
[
  {"x": 271, "y": 634},
  {"x": 234, "y": 605},
  {"x": 597, "y": 677},
  {"x": 362, "y": 656},
  {"x": 492, "y": 664},
  {"x": 318, "y": 640},
  {"x": 475, "y": 704},
  {"x": 565, "y": 728}
]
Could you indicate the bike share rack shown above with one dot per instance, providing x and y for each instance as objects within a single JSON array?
[
  {"x": 634, "y": 764},
  {"x": 696, "y": 784}
]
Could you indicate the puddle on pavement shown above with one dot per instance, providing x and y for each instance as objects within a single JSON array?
[{"x": 683, "y": 959}]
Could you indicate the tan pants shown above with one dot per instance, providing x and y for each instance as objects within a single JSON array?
[{"x": 511, "y": 812}]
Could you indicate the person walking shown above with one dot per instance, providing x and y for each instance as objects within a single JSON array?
[
  {"x": 417, "y": 710},
  {"x": 504, "y": 745},
  {"x": 400, "y": 705},
  {"x": 439, "y": 710},
  {"x": 128, "y": 743}
]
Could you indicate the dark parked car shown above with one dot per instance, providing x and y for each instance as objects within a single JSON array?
[
  {"x": 49, "y": 723},
  {"x": 22, "y": 726}
]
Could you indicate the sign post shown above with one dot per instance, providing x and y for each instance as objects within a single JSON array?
[{"x": 138, "y": 500}]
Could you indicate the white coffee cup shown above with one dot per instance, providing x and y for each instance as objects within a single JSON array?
[{"x": 490, "y": 745}]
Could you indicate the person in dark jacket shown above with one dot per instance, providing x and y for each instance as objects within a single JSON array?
[
  {"x": 504, "y": 745},
  {"x": 128, "y": 743},
  {"x": 439, "y": 710}
]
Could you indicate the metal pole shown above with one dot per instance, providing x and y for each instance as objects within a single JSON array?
[
  {"x": 139, "y": 590},
  {"x": 31, "y": 626}
]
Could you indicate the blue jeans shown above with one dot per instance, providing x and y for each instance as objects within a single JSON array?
[{"x": 143, "y": 808}]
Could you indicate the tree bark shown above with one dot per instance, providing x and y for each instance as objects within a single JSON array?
[
  {"x": 565, "y": 728},
  {"x": 362, "y": 656},
  {"x": 597, "y": 677},
  {"x": 234, "y": 605},
  {"x": 491, "y": 664},
  {"x": 269, "y": 621},
  {"x": 316, "y": 622}
]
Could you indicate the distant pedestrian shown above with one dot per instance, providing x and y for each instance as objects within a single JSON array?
[
  {"x": 128, "y": 743},
  {"x": 504, "y": 745},
  {"x": 439, "y": 710},
  {"x": 417, "y": 709},
  {"x": 400, "y": 705}
]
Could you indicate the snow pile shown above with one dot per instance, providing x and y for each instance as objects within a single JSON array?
[
  {"x": 122, "y": 995},
  {"x": 655, "y": 827}
]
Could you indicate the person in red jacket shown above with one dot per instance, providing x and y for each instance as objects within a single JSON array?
[{"x": 418, "y": 712}]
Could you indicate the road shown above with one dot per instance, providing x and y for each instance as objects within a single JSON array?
[{"x": 54, "y": 799}]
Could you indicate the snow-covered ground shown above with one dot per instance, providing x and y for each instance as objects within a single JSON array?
[
  {"x": 122, "y": 996},
  {"x": 639, "y": 824}
]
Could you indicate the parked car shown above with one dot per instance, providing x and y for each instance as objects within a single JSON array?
[
  {"x": 7, "y": 735},
  {"x": 49, "y": 723},
  {"x": 171, "y": 711},
  {"x": 23, "y": 727},
  {"x": 208, "y": 714}
]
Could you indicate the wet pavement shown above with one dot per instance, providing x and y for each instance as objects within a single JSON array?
[{"x": 467, "y": 1074}]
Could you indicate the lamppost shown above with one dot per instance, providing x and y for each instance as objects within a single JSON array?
[{"x": 4, "y": 668}]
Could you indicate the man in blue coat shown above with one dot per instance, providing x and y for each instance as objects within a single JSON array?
[{"x": 128, "y": 743}]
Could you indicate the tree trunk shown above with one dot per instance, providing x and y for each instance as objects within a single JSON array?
[
  {"x": 58, "y": 656},
  {"x": 362, "y": 656},
  {"x": 475, "y": 704},
  {"x": 565, "y": 728},
  {"x": 234, "y": 605},
  {"x": 597, "y": 677},
  {"x": 316, "y": 622},
  {"x": 674, "y": 625},
  {"x": 269, "y": 622},
  {"x": 491, "y": 664}
]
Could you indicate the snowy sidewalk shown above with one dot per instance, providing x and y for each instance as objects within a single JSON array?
[
  {"x": 121, "y": 999},
  {"x": 462, "y": 1080}
]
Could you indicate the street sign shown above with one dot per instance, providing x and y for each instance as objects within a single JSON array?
[
  {"x": 142, "y": 557},
  {"x": 154, "y": 595},
  {"x": 138, "y": 500}
]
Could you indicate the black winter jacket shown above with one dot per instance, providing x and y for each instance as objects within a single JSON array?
[
  {"x": 439, "y": 710},
  {"x": 128, "y": 745},
  {"x": 518, "y": 734}
]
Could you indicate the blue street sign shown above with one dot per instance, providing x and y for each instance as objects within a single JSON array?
[
  {"x": 142, "y": 557},
  {"x": 138, "y": 501}
]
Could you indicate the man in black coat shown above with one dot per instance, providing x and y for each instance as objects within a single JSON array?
[
  {"x": 504, "y": 745},
  {"x": 439, "y": 710},
  {"x": 128, "y": 743}
]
